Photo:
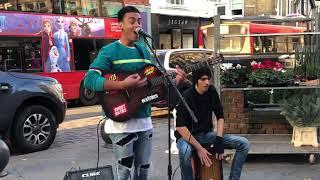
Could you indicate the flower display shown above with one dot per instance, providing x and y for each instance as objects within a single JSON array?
[
  {"x": 266, "y": 64},
  {"x": 234, "y": 75},
  {"x": 269, "y": 73}
]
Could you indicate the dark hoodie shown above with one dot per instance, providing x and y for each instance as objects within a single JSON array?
[{"x": 202, "y": 106}]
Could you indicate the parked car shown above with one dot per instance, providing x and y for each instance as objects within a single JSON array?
[{"x": 31, "y": 109}]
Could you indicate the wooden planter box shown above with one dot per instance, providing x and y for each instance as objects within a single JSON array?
[{"x": 304, "y": 136}]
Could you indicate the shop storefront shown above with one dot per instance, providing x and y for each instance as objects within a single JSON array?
[
  {"x": 173, "y": 32},
  {"x": 104, "y": 8}
]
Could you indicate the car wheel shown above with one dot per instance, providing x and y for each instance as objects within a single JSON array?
[
  {"x": 34, "y": 129},
  {"x": 87, "y": 97},
  {"x": 104, "y": 135}
]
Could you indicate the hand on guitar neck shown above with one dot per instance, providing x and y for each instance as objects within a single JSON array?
[{"x": 180, "y": 75}]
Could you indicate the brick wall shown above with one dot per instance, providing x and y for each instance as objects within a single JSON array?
[
  {"x": 239, "y": 120},
  {"x": 136, "y": 2}
]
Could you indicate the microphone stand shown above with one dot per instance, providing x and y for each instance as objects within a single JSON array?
[{"x": 170, "y": 84}]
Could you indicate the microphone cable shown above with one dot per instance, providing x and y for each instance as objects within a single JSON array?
[
  {"x": 104, "y": 118},
  {"x": 98, "y": 141}
]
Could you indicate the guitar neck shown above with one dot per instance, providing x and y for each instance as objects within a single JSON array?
[
  {"x": 196, "y": 66},
  {"x": 159, "y": 80}
]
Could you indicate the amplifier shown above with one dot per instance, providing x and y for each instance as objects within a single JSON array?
[{"x": 100, "y": 173}]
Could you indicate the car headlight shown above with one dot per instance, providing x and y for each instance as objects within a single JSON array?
[{"x": 58, "y": 87}]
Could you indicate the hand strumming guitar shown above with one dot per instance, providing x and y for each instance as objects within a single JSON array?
[{"x": 134, "y": 80}]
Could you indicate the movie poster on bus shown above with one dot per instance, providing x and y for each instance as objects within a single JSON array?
[
  {"x": 31, "y": 24},
  {"x": 58, "y": 32}
]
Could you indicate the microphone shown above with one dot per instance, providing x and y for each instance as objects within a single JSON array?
[{"x": 142, "y": 33}]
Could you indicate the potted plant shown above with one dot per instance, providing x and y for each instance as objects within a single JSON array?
[
  {"x": 307, "y": 64},
  {"x": 302, "y": 111},
  {"x": 269, "y": 73},
  {"x": 234, "y": 76}
]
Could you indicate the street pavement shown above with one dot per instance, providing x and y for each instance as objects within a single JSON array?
[{"x": 76, "y": 147}]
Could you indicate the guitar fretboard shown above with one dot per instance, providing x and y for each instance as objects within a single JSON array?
[{"x": 160, "y": 80}]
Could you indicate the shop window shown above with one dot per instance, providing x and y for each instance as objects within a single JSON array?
[
  {"x": 236, "y": 7},
  {"x": 176, "y": 38},
  {"x": 57, "y": 7},
  {"x": 9, "y": 5},
  {"x": 42, "y": 6},
  {"x": 81, "y": 7},
  {"x": 72, "y": 7},
  {"x": 221, "y": 10},
  {"x": 177, "y": 2},
  {"x": 110, "y": 8},
  {"x": 165, "y": 41},
  {"x": 187, "y": 40},
  {"x": 237, "y": 12}
]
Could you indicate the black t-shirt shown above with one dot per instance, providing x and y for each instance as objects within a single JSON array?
[{"x": 202, "y": 106}]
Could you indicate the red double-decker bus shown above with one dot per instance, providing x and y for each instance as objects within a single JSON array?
[{"x": 57, "y": 46}]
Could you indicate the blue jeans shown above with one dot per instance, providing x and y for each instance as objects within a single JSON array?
[
  {"x": 132, "y": 149},
  {"x": 240, "y": 144}
]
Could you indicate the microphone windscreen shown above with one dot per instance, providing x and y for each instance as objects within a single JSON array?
[{"x": 137, "y": 30}]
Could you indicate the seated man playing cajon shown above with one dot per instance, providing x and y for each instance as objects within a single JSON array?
[{"x": 203, "y": 99}]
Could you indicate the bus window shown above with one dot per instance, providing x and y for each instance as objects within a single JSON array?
[
  {"x": 257, "y": 44},
  {"x": 294, "y": 41},
  {"x": 83, "y": 49},
  {"x": 11, "y": 59},
  {"x": 281, "y": 44},
  {"x": 20, "y": 54},
  {"x": 232, "y": 44},
  {"x": 268, "y": 44},
  {"x": 33, "y": 61}
]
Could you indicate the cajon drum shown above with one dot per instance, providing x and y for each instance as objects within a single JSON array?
[{"x": 202, "y": 172}]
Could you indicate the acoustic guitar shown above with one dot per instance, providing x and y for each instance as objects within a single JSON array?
[{"x": 121, "y": 105}]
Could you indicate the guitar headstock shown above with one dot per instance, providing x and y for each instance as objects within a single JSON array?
[{"x": 215, "y": 59}]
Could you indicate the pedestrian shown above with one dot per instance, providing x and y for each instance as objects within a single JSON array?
[
  {"x": 132, "y": 139},
  {"x": 203, "y": 99}
]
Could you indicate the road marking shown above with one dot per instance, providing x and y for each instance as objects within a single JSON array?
[
  {"x": 91, "y": 121},
  {"x": 79, "y": 123},
  {"x": 85, "y": 109}
]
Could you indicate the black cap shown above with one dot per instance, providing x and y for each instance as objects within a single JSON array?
[{"x": 197, "y": 74}]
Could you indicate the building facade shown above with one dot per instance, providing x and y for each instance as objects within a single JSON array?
[
  {"x": 269, "y": 7},
  {"x": 101, "y": 8},
  {"x": 176, "y": 23}
]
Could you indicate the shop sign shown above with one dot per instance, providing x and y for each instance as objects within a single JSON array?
[{"x": 177, "y": 22}]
